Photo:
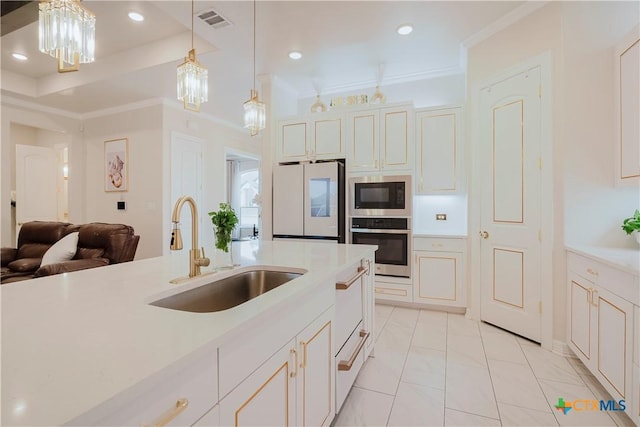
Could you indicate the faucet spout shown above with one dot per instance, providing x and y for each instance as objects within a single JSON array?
[{"x": 196, "y": 260}]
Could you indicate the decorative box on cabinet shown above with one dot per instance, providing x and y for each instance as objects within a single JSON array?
[
  {"x": 600, "y": 323},
  {"x": 627, "y": 108},
  {"x": 319, "y": 137},
  {"x": 439, "y": 138},
  {"x": 439, "y": 271},
  {"x": 381, "y": 139}
]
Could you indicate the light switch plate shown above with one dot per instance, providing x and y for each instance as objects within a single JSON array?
[{"x": 441, "y": 217}]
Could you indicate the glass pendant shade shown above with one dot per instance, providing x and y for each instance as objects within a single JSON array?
[
  {"x": 193, "y": 86},
  {"x": 255, "y": 114},
  {"x": 378, "y": 97},
  {"x": 67, "y": 31}
]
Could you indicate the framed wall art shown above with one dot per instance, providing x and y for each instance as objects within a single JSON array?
[{"x": 116, "y": 165}]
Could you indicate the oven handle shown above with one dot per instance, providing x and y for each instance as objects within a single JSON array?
[{"x": 378, "y": 231}]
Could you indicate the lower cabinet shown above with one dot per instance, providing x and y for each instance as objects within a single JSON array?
[
  {"x": 210, "y": 419},
  {"x": 293, "y": 387},
  {"x": 600, "y": 329}
]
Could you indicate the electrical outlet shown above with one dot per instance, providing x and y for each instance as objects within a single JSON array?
[{"x": 441, "y": 217}]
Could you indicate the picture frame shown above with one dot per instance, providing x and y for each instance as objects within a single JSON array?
[{"x": 116, "y": 165}]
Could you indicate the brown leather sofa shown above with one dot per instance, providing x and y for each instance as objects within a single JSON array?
[{"x": 99, "y": 244}]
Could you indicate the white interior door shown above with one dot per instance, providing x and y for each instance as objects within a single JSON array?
[
  {"x": 510, "y": 135},
  {"x": 186, "y": 180},
  {"x": 36, "y": 184}
]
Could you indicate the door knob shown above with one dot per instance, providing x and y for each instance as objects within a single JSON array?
[{"x": 484, "y": 234}]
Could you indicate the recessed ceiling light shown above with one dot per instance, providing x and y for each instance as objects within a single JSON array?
[
  {"x": 295, "y": 55},
  {"x": 135, "y": 16},
  {"x": 405, "y": 29},
  {"x": 19, "y": 56}
]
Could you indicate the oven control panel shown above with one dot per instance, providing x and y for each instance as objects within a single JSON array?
[{"x": 380, "y": 223}]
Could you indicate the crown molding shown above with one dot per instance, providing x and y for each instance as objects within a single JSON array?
[
  {"x": 9, "y": 100},
  {"x": 391, "y": 80},
  {"x": 505, "y": 21}
]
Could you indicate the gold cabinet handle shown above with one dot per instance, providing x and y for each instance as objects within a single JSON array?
[
  {"x": 345, "y": 365},
  {"x": 166, "y": 418},
  {"x": 594, "y": 297},
  {"x": 368, "y": 267},
  {"x": 437, "y": 245},
  {"x": 294, "y": 373},
  {"x": 345, "y": 285},
  {"x": 589, "y": 295},
  {"x": 592, "y": 272}
]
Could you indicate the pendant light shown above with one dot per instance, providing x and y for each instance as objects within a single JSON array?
[
  {"x": 193, "y": 86},
  {"x": 66, "y": 31},
  {"x": 255, "y": 112}
]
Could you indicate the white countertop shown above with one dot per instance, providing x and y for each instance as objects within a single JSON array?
[
  {"x": 72, "y": 341},
  {"x": 623, "y": 259}
]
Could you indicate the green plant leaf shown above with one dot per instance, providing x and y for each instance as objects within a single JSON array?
[{"x": 224, "y": 221}]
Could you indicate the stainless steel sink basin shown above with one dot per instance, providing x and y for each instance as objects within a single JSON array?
[{"x": 228, "y": 292}]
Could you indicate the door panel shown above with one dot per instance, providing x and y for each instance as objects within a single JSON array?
[
  {"x": 36, "y": 190},
  {"x": 364, "y": 153},
  {"x": 511, "y": 211},
  {"x": 580, "y": 320},
  {"x": 288, "y": 203}
]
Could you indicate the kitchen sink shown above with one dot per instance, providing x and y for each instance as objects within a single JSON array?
[{"x": 228, "y": 292}]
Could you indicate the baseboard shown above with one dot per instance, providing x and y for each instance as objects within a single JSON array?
[{"x": 561, "y": 348}]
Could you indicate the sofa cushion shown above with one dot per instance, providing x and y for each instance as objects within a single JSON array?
[
  {"x": 89, "y": 253},
  {"x": 25, "y": 265},
  {"x": 69, "y": 266},
  {"x": 63, "y": 250}
]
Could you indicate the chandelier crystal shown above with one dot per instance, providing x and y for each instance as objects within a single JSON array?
[
  {"x": 255, "y": 112},
  {"x": 67, "y": 31},
  {"x": 193, "y": 78}
]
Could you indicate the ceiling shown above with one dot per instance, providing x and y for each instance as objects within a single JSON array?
[{"x": 344, "y": 44}]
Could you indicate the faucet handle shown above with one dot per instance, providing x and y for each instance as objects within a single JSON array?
[{"x": 203, "y": 261}]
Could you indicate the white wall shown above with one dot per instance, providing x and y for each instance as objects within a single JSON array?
[
  {"x": 217, "y": 137},
  {"x": 579, "y": 36},
  {"x": 425, "y": 209},
  {"x": 444, "y": 90}
]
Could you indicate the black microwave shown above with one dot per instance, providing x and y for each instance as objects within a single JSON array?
[{"x": 380, "y": 196}]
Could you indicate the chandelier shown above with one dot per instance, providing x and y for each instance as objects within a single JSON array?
[
  {"x": 67, "y": 31},
  {"x": 193, "y": 86},
  {"x": 255, "y": 112}
]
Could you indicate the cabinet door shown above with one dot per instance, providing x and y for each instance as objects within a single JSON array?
[
  {"x": 438, "y": 278},
  {"x": 437, "y": 151},
  {"x": 614, "y": 343},
  {"x": 293, "y": 140},
  {"x": 210, "y": 419},
  {"x": 580, "y": 319},
  {"x": 267, "y": 397},
  {"x": 363, "y": 147},
  {"x": 396, "y": 130},
  {"x": 316, "y": 375},
  {"x": 635, "y": 405},
  {"x": 328, "y": 141}
]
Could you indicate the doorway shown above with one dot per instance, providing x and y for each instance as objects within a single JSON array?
[
  {"x": 514, "y": 279},
  {"x": 243, "y": 193}
]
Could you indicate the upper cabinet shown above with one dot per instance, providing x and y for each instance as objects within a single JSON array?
[
  {"x": 311, "y": 138},
  {"x": 627, "y": 107},
  {"x": 439, "y": 137},
  {"x": 380, "y": 139}
]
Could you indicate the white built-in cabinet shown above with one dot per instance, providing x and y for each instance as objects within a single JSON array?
[
  {"x": 439, "y": 137},
  {"x": 627, "y": 108},
  {"x": 439, "y": 271},
  {"x": 293, "y": 387},
  {"x": 320, "y": 137},
  {"x": 600, "y": 325},
  {"x": 381, "y": 139},
  {"x": 635, "y": 406}
]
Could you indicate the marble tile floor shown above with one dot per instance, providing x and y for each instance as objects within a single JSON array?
[{"x": 439, "y": 369}]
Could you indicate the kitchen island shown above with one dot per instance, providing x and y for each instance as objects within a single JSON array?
[{"x": 86, "y": 348}]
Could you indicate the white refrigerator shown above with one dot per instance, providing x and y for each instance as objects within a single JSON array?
[{"x": 309, "y": 201}]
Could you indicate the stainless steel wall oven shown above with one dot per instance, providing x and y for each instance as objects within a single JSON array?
[{"x": 393, "y": 238}]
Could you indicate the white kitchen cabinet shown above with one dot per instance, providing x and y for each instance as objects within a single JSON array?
[
  {"x": 600, "y": 324},
  {"x": 439, "y": 271},
  {"x": 293, "y": 387},
  {"x": 439, "y": 137},
  {"x": 311, "y": 138},
  {"x": 393, "y": 289},
  {"x": 627, "y": 108},
  {"x": 381, "y": 140},
  {"x": 210, "y": 419}
]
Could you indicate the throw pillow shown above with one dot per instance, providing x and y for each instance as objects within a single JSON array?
[{"x": 63, "y": 250}]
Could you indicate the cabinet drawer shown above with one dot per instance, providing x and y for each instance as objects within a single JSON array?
[
  {"x": 348, "y": 303},
  {"x": 353, "y": 351},
  {"x": 179, "y": 396},
  {"x": 623, "y": 284},
  {"x": 393, "y": 291},
  {"x": 441, "y": 244}
]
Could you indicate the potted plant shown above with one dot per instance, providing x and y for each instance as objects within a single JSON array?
[
  {"x": 632, "y": 224},
  {"x": 224, "y": 221}
]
